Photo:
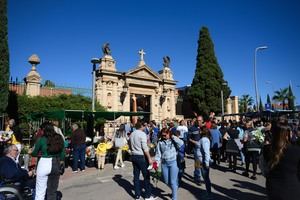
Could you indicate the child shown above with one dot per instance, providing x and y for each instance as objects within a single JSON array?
[{"x": 101, "y": 150}]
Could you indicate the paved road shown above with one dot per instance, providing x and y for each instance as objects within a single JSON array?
[{"x": 110, "y": 184}]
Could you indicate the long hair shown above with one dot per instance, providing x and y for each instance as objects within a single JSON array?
[
  {"x": 121, "y": 131},
  {"x": 55, "y": 143},
  {"x": 205, "y": 132},
  {"x": 164, "y": 130},
  {"x": 280, "y": 140}
]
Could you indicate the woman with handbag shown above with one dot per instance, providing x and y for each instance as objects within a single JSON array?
[
  {"x": 166, "y": 154},
  {"x": 48, "y": 172},
  {"x": 120, "y": 141}
]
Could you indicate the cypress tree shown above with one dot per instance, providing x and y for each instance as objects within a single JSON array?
[
  {"x": 291, "y": 98},
  {"x": 268, "y": 99},
  {"x": 205, "y": 91},
  {"x": 261, "y": 107},
  {"x": 4, "y": 59}
]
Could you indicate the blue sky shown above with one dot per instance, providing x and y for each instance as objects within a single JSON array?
[{"x": 66, "y": 34}]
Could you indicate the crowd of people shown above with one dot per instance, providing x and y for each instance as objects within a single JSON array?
[{"x": 273, "y": 145}]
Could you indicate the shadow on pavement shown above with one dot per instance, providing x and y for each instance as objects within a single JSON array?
[
  {"x": 192, "y": 189},
  {"x": 235, "y": 193},
  {"x": 126, "y": 185},
  {"x": 249, "y": 185},
  {"x": 129, "y": 188}
]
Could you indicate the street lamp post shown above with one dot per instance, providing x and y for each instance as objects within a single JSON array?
[
  {"x": 222, "y": 98},
  {"x": 94, "y": 61},
  {"x": 255, "y": 79}
]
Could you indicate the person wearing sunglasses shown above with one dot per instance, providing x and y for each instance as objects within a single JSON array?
[{"x": 166, "y": 154}]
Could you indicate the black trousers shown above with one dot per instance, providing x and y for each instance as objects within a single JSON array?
[
  {"x": 251, "y": 156},
  {"x": 53, "y": 179}
]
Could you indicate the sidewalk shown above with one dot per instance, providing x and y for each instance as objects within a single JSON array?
[{"x": 117, "y": 184}]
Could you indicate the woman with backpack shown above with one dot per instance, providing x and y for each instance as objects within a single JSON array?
[{"x": 48, "y": 172}]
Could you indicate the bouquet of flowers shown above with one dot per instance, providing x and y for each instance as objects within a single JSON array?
[
  {"x": 258, "y": 135},
  {"x": 5, "y": 135},
  {"x": 25, "y": 149}
]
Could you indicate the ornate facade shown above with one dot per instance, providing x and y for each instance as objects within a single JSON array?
[{"x": 139, "y": 89}]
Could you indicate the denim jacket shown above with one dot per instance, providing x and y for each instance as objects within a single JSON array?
[
  {"x": 166, "y": 151},
  {"x": 205, "y": 150}
]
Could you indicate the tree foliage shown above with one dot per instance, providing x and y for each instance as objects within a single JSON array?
[
  {"x": 27, "y": 105},
  {"x": 204, "y": 93},
  {"x": 268, "y": 99},
  {"x": 4, "y": 59},
  {"x": 291, "y": 99},
  {"x": 49, "y": 83},
  {"x": 261, "y": 106},
  {"x": 245, "y": 103},
  {"x": 281, "y": 95}
]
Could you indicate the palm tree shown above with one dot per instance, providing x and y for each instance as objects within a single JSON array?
[
  {"x": 281, "y": 95},
  {"x": 245, "y": 102}
]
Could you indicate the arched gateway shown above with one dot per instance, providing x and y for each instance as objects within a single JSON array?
[{"x": 139, "y": 89}]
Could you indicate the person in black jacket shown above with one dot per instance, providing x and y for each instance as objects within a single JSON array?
[
  {"x": 12, "y": 171},
  {"x": 283, "y": 163}
]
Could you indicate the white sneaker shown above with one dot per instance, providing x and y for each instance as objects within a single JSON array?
[
  {"x": 122, "y": 165},
  {"x": 151, "y": 198},
  {"x": 116, "y": 167}
]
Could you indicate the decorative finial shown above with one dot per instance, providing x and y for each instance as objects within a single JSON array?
[{"x": 34, "y": 60}]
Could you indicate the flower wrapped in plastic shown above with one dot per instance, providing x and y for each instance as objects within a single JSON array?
[
  {"x": 5, "y": 135},
  {"x": 155, "y": 173},
  {"x": 258, "y": 135},
  {"x": 152, "y": 149}
]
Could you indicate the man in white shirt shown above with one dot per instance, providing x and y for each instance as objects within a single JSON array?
[{"x": 182, "y": 128}]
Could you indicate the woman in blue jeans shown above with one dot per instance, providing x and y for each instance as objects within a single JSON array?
[
  {"x": 166, "y": 155},
  {"x": 205, "y": 159},
  {"x": 204, "y": 156}
]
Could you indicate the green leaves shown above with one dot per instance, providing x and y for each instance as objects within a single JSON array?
[
  {"x": 4, "y": 60},
  {"x": 205, "y": 91},
  {"x": 28, "y": 105}
]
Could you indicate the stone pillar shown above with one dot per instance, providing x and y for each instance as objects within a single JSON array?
[
  {"x": 228, "y": 106},
  {"x": 103, "y": 94},
  {"x": 134, "y": 109},
  {"x": 115, "y": 99},
  {"x": 33, "y": 78},
  {"x": 153, "y": 106}
]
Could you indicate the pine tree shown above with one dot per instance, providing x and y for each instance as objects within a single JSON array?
[
  {"x": 4, "y": 61},
  {"x": 291, "y": 98},
  {"x": 205, "y": 91}
]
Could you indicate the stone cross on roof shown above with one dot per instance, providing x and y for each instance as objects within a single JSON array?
[{"x": 142, "y": 53}]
